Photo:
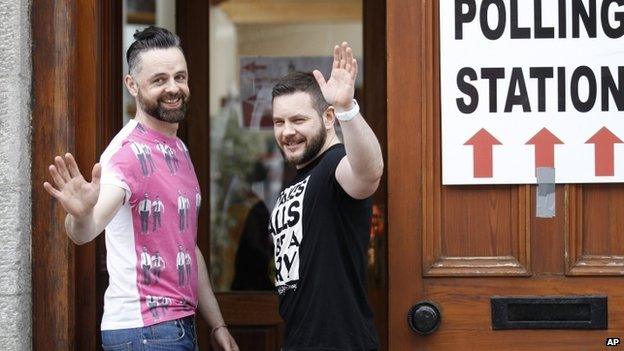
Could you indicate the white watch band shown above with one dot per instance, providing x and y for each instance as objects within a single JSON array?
[{"x": 348, "y": 115}]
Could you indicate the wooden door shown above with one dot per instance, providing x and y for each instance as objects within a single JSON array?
[
  {"x": 459, "y": 246},
  {"x": 76, "y": 72}
]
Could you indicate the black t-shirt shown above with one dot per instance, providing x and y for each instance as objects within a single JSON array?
[{"x": 321, "y": 236}]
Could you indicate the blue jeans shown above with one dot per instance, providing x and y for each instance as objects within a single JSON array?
[{"x": 175, "y": 335}]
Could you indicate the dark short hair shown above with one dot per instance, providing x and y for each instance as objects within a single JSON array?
[
  {"x": 150, "y": 38},
  {"x": 301, "y": 81}
]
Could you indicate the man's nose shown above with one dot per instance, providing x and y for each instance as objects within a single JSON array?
[
  {"x": 288, "y": 129},
  {"x": 172, "y": 86}
]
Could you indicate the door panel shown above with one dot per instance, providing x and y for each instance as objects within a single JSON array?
[
  {"x": 595, "y": 240},
  {"x": 253, "y": 319},
  {"x": 465, "y": 308},
  {"x": 548, "y": 249},
  {"x": 256, "y": 338},
  {"x": 458, "y": 246},
  {"x": 465, "y": 238},
  {"x": 471, "y": 231}
]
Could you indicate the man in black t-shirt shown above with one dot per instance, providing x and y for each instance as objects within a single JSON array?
[{"x": 320, "y": 223}]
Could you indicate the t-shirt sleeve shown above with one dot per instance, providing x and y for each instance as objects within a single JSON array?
[
  {"x": 120, "y": 169},
  {"x": 333, "y": 161}
]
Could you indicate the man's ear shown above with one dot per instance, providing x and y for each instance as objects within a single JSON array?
[
  {"x": 329, "y": 117},
  {"x": 131, "y": 85}
]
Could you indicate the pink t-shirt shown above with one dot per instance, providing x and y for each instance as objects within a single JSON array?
[{"x": 150, "y": 242}]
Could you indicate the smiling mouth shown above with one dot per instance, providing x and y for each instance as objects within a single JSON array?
[
  {"x": 292, "y": 145},
  {"x": 172, "y": 102}
]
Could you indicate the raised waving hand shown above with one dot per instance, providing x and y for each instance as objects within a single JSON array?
[
  {"x": 339, "y": 89},
  {"x": 74, "y": 193}
]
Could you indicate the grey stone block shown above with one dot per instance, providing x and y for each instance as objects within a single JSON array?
[
  {"x": 11, "y": 343},
  {"x": 14, "y": 225},
  {"x": 15, "y": 313},
  {"x": 15, "y": 165},
  {"x": 10, "y": 30},
  {"x": 14, "y": 135}
]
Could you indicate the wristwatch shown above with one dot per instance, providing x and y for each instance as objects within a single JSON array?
[{"x": 348, "y": 115}]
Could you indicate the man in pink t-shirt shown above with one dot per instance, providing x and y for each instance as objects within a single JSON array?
[{"x": 146, "y": 177}]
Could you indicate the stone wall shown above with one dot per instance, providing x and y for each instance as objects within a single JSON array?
[{"x": 15, "y": 185}]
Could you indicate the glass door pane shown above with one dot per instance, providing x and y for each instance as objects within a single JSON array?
[{"x": 249, "y": 51}]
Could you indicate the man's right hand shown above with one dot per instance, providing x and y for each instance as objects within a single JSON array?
[{"x": 74, "y": 193}]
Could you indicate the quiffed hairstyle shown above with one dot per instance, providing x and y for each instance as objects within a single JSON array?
[
  {"x": 150, "y": 38},
  {"x": 304, "y": 82}
]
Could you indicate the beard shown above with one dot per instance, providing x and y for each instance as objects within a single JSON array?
[
  {"x": 312, "y": 148},
  {"x": 156, "y": 109}
]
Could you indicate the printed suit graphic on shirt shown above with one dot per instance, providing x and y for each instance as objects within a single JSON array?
[
  {"x": 170, "y": 157},
  {"x": 158, "y": 264},
  {"x": 146, "y": 264},
  {"x": 184, "y": 263},
  {"x": 183, "y": 207},
  {"x": 144, "y": 154},
  {"x": 197, "y": 201},
  {"x": 185, "y": 150},
  {"x": 151, "y": 240},
  {"x": 148, "y": 155},
  {"x": 145, "y": 207},
  {"x": 157, "y": 209}
]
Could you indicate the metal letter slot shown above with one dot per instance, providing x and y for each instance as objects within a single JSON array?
[{"x": 564, "y": 312}]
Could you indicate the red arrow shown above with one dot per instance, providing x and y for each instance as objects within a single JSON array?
[
  {"x": 482, "y": 143},
  {"x": 253, "y": 67},
  {"x": 544, "y": 142},
  {"x": 603, "y": 142}
]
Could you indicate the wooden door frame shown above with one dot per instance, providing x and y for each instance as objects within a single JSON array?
[
  {"x": 75, "y": 77},
  {"x": 192, "y": 25},
  {"x": 374, "y": 106},
  {"x": 411, "y": 56},
  {"x": 54, "y": 56}
]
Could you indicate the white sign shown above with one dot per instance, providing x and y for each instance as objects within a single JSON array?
[{"x": 528, "y": 84}]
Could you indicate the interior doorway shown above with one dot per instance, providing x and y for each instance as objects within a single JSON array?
[{"x": 251, "y": 45}]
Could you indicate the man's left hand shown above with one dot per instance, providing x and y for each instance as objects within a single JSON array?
[
  {"x": 339, "y": 89},
  {"x": 222, "y": 340}
]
